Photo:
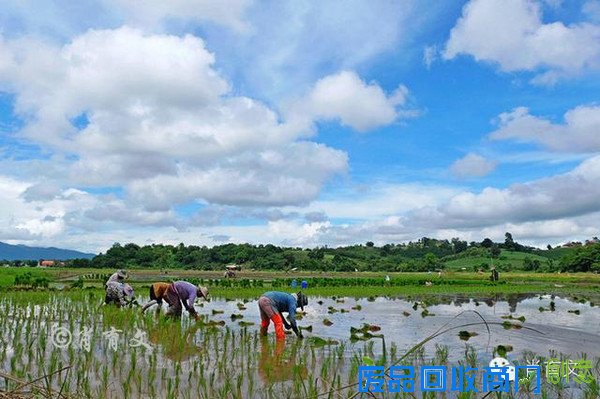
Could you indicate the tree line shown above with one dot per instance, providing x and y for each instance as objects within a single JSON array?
[{"x": 425, "y": 254}]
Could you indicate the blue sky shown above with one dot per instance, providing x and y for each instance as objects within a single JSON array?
[{"x": 298, "y": 123}]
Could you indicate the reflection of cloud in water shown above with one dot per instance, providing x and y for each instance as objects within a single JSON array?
[{"x": 563, "y": 331}]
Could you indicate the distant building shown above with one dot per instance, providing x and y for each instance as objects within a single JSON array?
[{"x": 50, "y": 263}]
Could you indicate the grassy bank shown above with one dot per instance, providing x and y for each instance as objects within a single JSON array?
[
  {"x": 157, "y": 274},
  {"x": 250, "y": 284},
  {"x": 8, "y": 274}
]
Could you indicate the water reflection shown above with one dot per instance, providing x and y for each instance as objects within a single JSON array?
[
  {"x": 177, "y": 342},
  {"x": 276, "y": 364},
  {"x": 402, "y": 322},
  {"x": 490, "y": 300}
]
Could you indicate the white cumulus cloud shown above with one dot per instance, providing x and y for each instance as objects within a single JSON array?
[
  {"x": 578, "y": 133},
  {"x": 472, "y": 165},
  {"x": 511, "y": 34},
  {"x": 148, "y": 112},
  {"x": 344, "y": 96}
]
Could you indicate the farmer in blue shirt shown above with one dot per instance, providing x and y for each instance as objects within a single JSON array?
[{"x": 271, "y": 305}]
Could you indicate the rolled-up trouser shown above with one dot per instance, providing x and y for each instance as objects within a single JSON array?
[
  {"x": 267, "y": 313},
  {"x": 172, "y": 298}
]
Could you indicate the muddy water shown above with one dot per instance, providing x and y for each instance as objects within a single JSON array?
[{"x": 554, "y": 329}]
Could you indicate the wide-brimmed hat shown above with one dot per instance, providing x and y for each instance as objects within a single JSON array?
[
  {"x": 302, "y": 300},
  {"x": 122, "y": 273},
  {"x": 203, "y": 291}
]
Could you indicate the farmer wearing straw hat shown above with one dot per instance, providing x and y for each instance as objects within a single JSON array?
[
  {"x": 114, "y": 286},
  {"x": 158, "y": 291},
  {"x": 272, "y": 304},
  {"x": 182, "y": 292},
  {"x": 120, "y": 294},
  {"x": 118, "y": 277}
]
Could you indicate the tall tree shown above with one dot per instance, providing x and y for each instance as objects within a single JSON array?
[
  {"x": 509, "y": 243},
  {"x": 487, "y": 243}
]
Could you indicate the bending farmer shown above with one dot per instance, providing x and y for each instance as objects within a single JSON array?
[
  {"x": 272, "y": 304},
  {"x": 119, "y": 294},
  {"x": 158, "y": 292},
  {"x": 182, "y": 292},
  {"x": 117, "y": 277}
]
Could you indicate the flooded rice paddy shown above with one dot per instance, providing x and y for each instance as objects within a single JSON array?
[
  {"x": 562, "y": 325},
  {"x": 90, "y": 350}
]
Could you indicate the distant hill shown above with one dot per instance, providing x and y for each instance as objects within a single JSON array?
[
  {"x": 23, "y": 252},
  {"x": 514, "y": 259}
]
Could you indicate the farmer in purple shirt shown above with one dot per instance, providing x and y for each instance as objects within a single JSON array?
[{"x": 182, "y": 292}]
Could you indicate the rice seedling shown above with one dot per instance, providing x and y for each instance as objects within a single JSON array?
[
  {"x": 441, "y": 354},
  {"x": 511, "y": 317},
  {"x": 507, "y": 325},
  {"x": 502, "y": 350},
  {"x": 210, "y": 358},
  {"x": 466, "y": 335}
]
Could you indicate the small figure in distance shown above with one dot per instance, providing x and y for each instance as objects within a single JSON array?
[{"x": 494, "y": 274}]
